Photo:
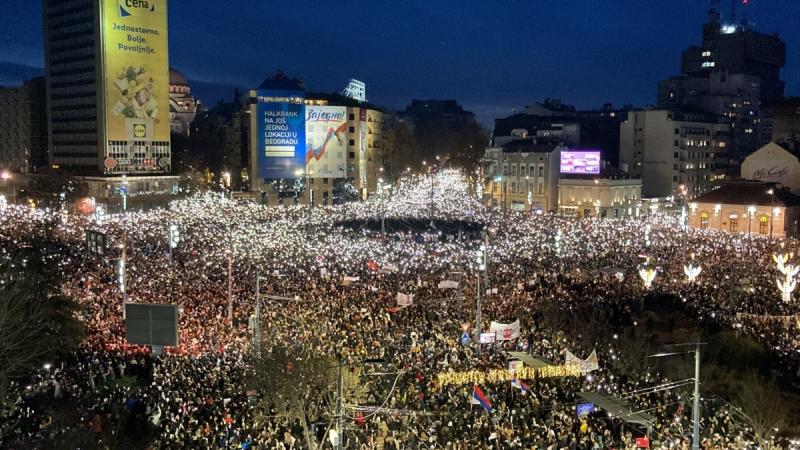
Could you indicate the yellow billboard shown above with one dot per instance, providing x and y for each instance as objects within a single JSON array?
[{"x": 136, "y": 61}]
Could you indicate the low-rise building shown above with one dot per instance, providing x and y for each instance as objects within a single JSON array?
[
  {"x": 774, "y": 164},
  {"x": 612, "y": 194},
  {"x": 751, "y": 207},
  {"x": 523, "y": 175}
]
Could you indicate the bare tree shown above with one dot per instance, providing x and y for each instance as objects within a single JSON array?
[
  {"x": 298, "y": 384},
  {"x": 764, "y": 408}
]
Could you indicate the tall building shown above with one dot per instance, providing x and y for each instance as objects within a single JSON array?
[
  {"x": 786, "y": 124},
  {"x": 734, "y": 73},
  {"x": 438, "y": 112},
  {"x": 107, "y": 77},
  {"x": 23, "y": 127},
  {"x": 182, "y": 106},
  {"x": 674, "y": 153},
  {"x": 313, "y": 148}
]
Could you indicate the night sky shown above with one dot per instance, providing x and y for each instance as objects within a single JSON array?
[{"x": 491, "y": 55}]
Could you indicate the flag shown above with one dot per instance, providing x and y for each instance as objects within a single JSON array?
[
  {"x": 519, "y": 384},
  {"x": 505, "y": 332},
  {"x": 479, "y": 398},
  {"x": 372, "y": 266}
]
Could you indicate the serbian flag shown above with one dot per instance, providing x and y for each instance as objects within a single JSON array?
[
  {"x": 517, "y": 383},
  {"x": 479, "y": 398},
  {"x": 372, "y": 265}
]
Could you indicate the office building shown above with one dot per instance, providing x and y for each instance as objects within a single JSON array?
[
  {"x": 523, "y": 175},
  {"x": 23, "y": 127},
  {"x": 786, "y": 124},
  {"x": 435, "y": 113},
  {"x": 313, "y": 148},
  {"x": 107, "y": 77},
  {"x": 674, "y": 153},
  {"x": 734, "y": 73}
]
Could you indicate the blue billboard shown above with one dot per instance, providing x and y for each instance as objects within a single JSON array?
[{"x": 281, "y": 134}]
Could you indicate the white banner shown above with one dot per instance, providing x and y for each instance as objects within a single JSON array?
[
  {"x": 348, "y": 280},
  {"x": 491, "y": 291},
  {"x": 587, "y": 365},
  {"x": 404, "y": 300},
  {"x": 505, "y": 331},
  {"x": 448, "y": 284}
]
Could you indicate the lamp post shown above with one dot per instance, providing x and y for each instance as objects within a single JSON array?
[
  {"x": 750, "y": 212},
  {"x": 771, "y": 193},
  {"x": 229, "y": 253}
]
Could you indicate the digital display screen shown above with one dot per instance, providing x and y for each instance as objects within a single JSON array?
[{"x": 580, "y": 162}]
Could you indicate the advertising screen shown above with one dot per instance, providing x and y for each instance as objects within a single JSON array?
[
  {"x": 136, "y": 70},
  {"x": 281, "y": 140},
  {"x": 326, "y": 141},
  {"x": 580, "y": 162}
]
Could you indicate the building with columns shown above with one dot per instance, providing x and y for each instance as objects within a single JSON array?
[{"x": 611, "y": 194}]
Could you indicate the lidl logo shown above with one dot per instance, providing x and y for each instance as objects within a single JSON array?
[
  {"x": 139, "y": 130},
  {"x": 135, "y": 7}
]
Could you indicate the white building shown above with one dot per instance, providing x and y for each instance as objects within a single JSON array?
[
  {"x": 671, "y": 150},
  {"x": 773, "y": 163},
  {"x": 611, "y": 194}
]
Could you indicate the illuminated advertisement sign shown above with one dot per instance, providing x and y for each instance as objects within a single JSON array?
[
  {"x": 326, "y": 141},
  {"x": 580, "y": 162},
  {"x": 280, "y": 135},
  {"x": 136, "y": 77}
]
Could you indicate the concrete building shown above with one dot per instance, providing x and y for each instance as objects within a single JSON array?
[
  {"x": 23, "y": 127},
  {"x": 751, "y": 207},
  {"x": 107, "y": 73},
  {"x": 734, "y": 73},
  {"x": 438, "y": 112},
  {"x": 673, "y": 152},
  {"x": 523, "y": 175},
  {"x": 786, "y": 123},
  {"x": 774, "y": 164},
  {"x": 182, "y": 106},
  {"x": 553, "y": 119},
  {"x": 356, "y": 161},
  {"x": 612, "y": 194}
]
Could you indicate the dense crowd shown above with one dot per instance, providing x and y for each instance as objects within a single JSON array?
[{"x": 196, "y": 396}]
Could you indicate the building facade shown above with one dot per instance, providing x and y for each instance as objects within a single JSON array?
[
  {"x": 734, "y": 73},
  {"x": 182, "y": 106},
  {"x": 773, "y": 163},
  {"x": 786, "y": 124},
  {"x": 313, "y": 148},
  {"x": 611, "y": 194},
  {"x": 673, "y": 153},
  {"x": 23, "y": 127},
  {"x": 107, "y": 73},
  {"x": 747, "y": 207},
  {"x": 522, "y": 175}
]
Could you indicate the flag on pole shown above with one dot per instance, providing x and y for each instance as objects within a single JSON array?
[
  {"x": 519, "y": 384},
  {"x": 479, "y": 398}
]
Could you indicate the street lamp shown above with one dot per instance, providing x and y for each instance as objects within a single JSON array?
[
  {"x": 6, "y": 176},
  {"x": 751, "y": 211},
  {"x": 771, "y": 192}
]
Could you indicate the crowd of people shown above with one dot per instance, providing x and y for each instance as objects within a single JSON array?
[{"x": 197, "y": 395}]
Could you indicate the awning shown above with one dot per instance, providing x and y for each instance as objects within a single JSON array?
[
  {"x": 530, "y": 360},
  {"x": 619, "y": 408}
]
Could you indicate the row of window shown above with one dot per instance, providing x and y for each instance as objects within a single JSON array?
[{"x": 733, "y": 223}]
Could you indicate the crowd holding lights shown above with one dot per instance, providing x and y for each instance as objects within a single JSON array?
[{"x": 194, "y": 396}]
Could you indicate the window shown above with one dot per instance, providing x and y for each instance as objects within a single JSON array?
[
  {"x": 707, "y": 53},
  {"x": 352, "y": 142},
  {"x": 733, "y": 223},
  {"x": 677, "y": 131},
  {"x": 704, "y": 219},
  {"x": 762, "y": 224},
  {"x": 352, "y": 129},
  {"x": 709, "y": 64},
  {"x": 351, "y": 155},
  {"x": 351, "y": 117}
]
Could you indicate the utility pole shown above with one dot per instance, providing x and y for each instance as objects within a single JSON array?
[
  {"x": 481, "y": 268},
  {"x": 230, "y": 285},
  {"x": 339, "y": 409},
  {"x": 122, "y": 273},
  {"x": 696, "y": 400},
  {"x": 257, "y": 325}
]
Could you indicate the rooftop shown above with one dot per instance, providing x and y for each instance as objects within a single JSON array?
[{"x": 754, "y": 193}]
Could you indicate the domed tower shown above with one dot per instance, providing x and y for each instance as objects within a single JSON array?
[{"x": 182, "y": 106}]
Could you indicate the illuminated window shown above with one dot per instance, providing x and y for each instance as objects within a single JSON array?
[
  {"x": 706, "y": 53},
  {"x": 733, "y": 223},
  {"x": 704, "y": 220},
  {"x": 709, "y": 64},
  {"x": 762, "y": 224}
]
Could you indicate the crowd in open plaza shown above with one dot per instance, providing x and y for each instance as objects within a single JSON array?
[{"x": 344, "y": 284}]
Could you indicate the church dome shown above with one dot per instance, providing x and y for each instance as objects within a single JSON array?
[{"x": 176, "y": 78}]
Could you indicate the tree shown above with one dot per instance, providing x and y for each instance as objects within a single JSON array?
[
  {"x": 401, "y": 151},
  {"x": 299, "y": 385},
  {"x": 37, "y": 322},
  {"x": 764, "y": 408}
]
